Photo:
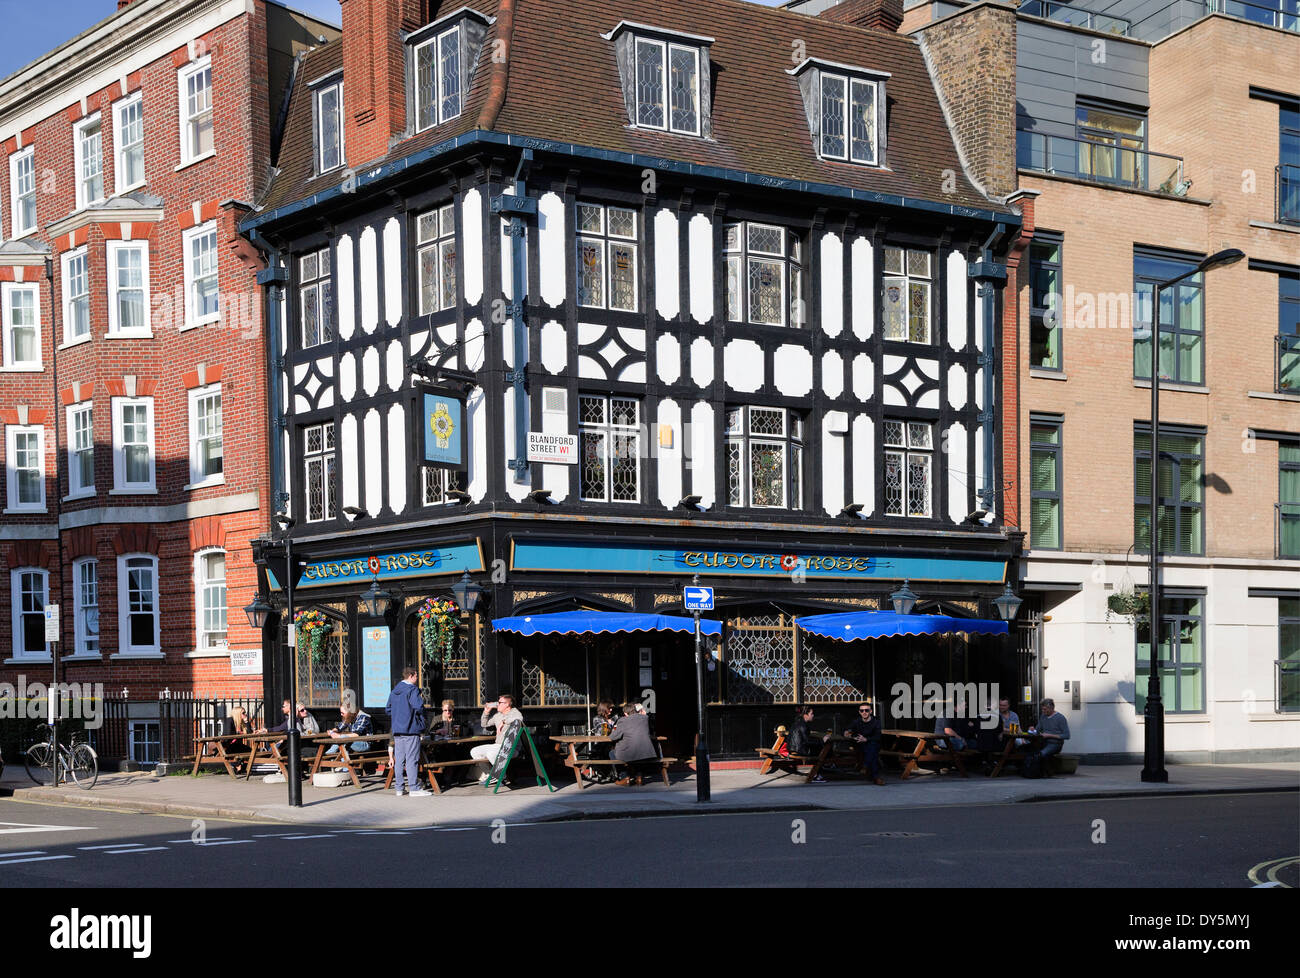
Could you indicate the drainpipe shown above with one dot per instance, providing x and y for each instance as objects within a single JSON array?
[
  {"x": 273, "y": 278},
  {"x": 517, "y": 206},
  {"x": 986, "y": 272}
]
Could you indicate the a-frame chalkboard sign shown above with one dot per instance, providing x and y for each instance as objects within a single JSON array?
[{"x": 509, "y": 747}]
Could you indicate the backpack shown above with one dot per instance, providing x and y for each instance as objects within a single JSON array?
[{"x": 1032, "y": 766}]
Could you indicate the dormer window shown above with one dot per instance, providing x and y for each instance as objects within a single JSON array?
[
  {"x": 845, "y": 107},
  {"x": 665, "y": 78},
  {"x": 442, "y": 59}
]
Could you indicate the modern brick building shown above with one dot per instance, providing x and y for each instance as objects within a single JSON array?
[
  {"x": 1150, "y": 135},
  {"x": 132, "y": 390}
]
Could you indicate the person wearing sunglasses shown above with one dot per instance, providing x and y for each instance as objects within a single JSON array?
[{"x": 866, "y": 731}]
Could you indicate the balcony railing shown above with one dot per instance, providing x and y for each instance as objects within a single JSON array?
[
  {"x": 1286, "y": 531},
  {"x": 1284, "y": 13},
  {"x": 1065, "y": 14},
  {"x": 1287, "y": 361},
  {"x": 1104, "y": 163},
  {"x": 1286, "y": 192}
]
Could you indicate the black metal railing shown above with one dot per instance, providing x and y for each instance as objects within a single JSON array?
[
  {"x": 1075, "y": 17},
  {"x": 1286, "y": 363},
  {"x": 1100, "y": 162},
  {"x": 180, "y": 719}
]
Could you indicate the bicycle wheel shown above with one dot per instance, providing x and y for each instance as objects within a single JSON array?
[
  {"x": 40, "y": 763},
  {"x": 84, "y": 766}
]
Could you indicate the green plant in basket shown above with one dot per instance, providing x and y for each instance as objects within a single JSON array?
[
  {"x": 314, "y": 628},
  {"x": 440, "y": 617}
]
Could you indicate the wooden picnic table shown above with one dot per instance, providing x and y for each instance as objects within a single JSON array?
[
  {"x": 222, "y": 756},
  {"x": 828, "y": 750},
  {"x": 430, "y": 766},
  {"x": 912, "y": 748},
  {"x": 572, "y": 760},
  {"x": 1011, "y": 751},
  {"x": 344, "y": 758}
]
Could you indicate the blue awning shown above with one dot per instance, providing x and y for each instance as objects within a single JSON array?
[
  {"x": 599, "y": 622},
  {"x": 853, "y": 625}
]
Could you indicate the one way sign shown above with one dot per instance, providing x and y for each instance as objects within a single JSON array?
[{"x": 697, "y": 598}]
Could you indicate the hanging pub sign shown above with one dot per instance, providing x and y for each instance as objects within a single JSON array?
[{"x": 443, "y": 432}]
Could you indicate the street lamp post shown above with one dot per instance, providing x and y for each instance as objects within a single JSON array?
[
  {"x": 294, "y": 745},
  {"x": 1153, "y": 756}
]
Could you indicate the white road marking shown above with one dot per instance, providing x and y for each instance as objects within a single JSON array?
[
  {"x": 215, "y": 838},
  {"x": 27, "y": 852},
  {"x": 132, "y": 852},
  {"x": 33, "y": 859},
  {"x": 116, "y": 845},
  {"x": 325, "y": 836},
  {"x": 276, "y": 835},
  {"x": 17, "y": 827}
]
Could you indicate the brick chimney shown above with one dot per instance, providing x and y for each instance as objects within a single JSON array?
[
  {"x": 881, "y": 15},
  {"x": 374, "y": 73},
  {"x": 972, "y": 59}
]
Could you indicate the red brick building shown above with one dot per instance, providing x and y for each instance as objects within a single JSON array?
[{"x": 133, "y": 398}]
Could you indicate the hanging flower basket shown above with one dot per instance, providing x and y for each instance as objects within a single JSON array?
[
  {"x": 440, "y": 617},
  {"x": 314, "y": 628},
  {"x": 1134, "y": 605}
]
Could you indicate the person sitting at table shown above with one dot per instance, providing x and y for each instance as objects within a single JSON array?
[
  {"x": 286, "y": 708},
  {"x": 1008, "y": 715},
  {"x": 506, "y": 714},
  {"x": 306, "y": 723},
  {"x": 955, "y": 730},
  {"x": 632, "y": 740},
  {"x": 1054, "y": 730},
  {"x": 351, "y": 721},
  {"x": 444, "y": 728},
  {"x": 236, "y": 723},
  {"x": 866, "y": 731}
]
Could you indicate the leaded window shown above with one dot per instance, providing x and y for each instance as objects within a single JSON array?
[
  {"x": 759, "y": 659},
  {"x": 1182, "y": 654},
  {"x": 764, "y": 458},
  {"x": 667, "y": 86},
  {"x": 1182, "y": 318},
  {"x": 437, "y": 483},
  {"x": 1045, "y": 301},
  {"x": 607, "y": 259},
  {"x": 907, "y": 284},
  {"x": 436, "y": 239},
  {"x": 1181, "y": 475},
  {"x": 438, "y": 95},
  {"x": 764, "y": 274},
  {"x": 1045, "y": 484},
  {"x": 848, "y": 119},
  {"x": 318, "y": 463},
  {"x": 909, "y": 468},
  {"x": 329, "y": 127},
  {"x": 315, "y": 298},
  {"x": 609, "y": 449}
]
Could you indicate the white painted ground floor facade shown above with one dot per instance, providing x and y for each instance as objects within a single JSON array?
[{"x": 1225, "y": 698}]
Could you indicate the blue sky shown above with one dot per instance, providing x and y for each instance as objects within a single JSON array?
[{"x": 33, "y": 28}]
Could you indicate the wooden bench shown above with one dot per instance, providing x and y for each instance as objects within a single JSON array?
[
  {"x": 773, "y": 759},
  {"x": 351, "y": 761},
  {"x": 431, "y": 768},
  {"x": 662, "y": 763},
  {"x": 923, "y": 750},
  {"x": 230, "y": 761}
]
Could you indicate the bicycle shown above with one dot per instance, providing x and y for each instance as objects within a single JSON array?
[{"x": 77, "y": 762}]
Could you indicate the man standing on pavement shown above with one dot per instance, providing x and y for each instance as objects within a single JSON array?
[
  {"x": 505, "y": 715},
  {"x": 406, "y": 708},
  {"x": 866, "y": 731}
]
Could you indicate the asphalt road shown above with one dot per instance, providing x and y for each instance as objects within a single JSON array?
[{"x": 1178, "y": 842}]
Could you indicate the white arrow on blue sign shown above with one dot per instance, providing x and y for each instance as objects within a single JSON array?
[{"x": 697, "y": 598}]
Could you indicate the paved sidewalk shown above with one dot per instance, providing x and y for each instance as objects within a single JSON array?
[{"x": 216, "y": 795}]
